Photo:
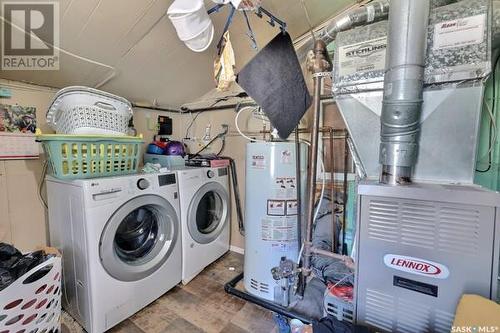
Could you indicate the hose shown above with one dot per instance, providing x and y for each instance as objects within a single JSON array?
[{"x": 238, "y": 127}]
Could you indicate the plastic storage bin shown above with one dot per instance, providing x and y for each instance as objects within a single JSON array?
[
  {"x": 33, "y": 302},
  {"x": 91, "y": 156},
  {"x": 87, "y": 111}
]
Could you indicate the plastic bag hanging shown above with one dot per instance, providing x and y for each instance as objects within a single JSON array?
[{"x": 224, "y": 65}]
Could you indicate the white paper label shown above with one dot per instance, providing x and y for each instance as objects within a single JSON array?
[
  {"x": 258, "y": 162},
  {"x": 460, "y": 32},
  {"x": 286, "y": 157},
  {"x": 291, "y": 207},
  {"x": 362, "y": 57},
  {"x": 282, "y": 229},
  {"x": 276, "y": 207},
  {"x": 285, "y": 188}
]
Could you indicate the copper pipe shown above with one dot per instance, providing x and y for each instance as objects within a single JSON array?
[
  {"x": 332, "y": 183},
  {"x": 299, "y": 187},
  {"x": 346, "y": 259},
  {"x": 324, "y": 129},
  {"x": 318, "y": 66}
]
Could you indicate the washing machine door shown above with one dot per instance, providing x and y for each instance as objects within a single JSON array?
[
  {"x": 208, "y": 213},
  {"x": 139, "y": 238}
]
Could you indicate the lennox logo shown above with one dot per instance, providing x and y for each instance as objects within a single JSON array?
[
  {"x": 30, "y": 37},
  {"x": 416, "y": 266}
]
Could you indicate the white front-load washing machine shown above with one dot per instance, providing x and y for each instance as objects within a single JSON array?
[
  {"x": 205, "y": 217},
  {"x": 120, "y": 243}
]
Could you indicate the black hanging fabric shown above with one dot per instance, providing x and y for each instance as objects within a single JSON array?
[{"x": 274, "y": 79}]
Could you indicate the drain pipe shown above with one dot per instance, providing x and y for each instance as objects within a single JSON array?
[{"x": 403, "y": 89}]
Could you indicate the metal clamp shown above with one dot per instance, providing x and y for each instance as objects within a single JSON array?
[{"x": 322, "y": 74}]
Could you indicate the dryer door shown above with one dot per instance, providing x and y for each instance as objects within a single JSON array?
[
  {"x": 208, "y": 213},
  {"x": 139, "y": 238}
]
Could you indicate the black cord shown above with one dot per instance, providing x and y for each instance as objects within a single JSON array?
[
  {"x": 191, "y": 124},
  {"x": 205, "y": 146},
  {"x": 221, "y": 136},
  {"x": 493, "y": 106},
  {"x": 223, "y": 146}
]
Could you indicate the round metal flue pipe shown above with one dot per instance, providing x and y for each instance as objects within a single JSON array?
[{"x": 403, "y": 89}]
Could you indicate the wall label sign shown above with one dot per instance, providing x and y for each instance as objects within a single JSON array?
[{"x": 416, "y": 266}]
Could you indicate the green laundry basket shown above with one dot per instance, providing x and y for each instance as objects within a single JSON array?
[{"x": 90, "y": 156}]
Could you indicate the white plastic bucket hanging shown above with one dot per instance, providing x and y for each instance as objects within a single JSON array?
[{"x": 192, "y": 23}]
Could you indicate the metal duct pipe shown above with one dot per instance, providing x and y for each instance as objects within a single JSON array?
[
  {"x": 371, "y": 12},
  {"x": 403, "y": 89}
]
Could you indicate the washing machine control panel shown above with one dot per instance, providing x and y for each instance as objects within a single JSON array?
[
  {"x": 164, "y": 180},
  {"x": 143, "y": 184},
  {"x": 210, "y": 174}
]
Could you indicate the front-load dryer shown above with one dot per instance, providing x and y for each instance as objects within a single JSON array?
[
  {"x": 120, "y": 244},
  {"x": 205, "y": 217}
]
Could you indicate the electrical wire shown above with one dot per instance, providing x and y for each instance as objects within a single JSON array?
[
  {"x": 193, "y": 119},
  {"x": 494, "y": 125},
  {"x": 223, "y": 146},
  {"x": 41, "y": 183},
  {"x": 221, "y": 136},
  {"x": 306, "y": 12},
  {"x": 493, "y": 131},
  {"x": 323, "y": 184}
]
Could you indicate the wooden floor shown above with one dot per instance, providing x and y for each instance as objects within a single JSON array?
[{"x": 202, "y": 306}]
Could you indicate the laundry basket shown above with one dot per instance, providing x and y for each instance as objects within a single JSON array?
[
  {"x": 88, "y": 111},
  {"x": 90, "y": 156},
  {"x": 32, "y": 304}
]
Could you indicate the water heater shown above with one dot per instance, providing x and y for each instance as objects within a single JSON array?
[{"x": 270, "y": 212}]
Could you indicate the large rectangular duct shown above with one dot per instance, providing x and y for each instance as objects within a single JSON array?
[{"x": 449, "y": 128}]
